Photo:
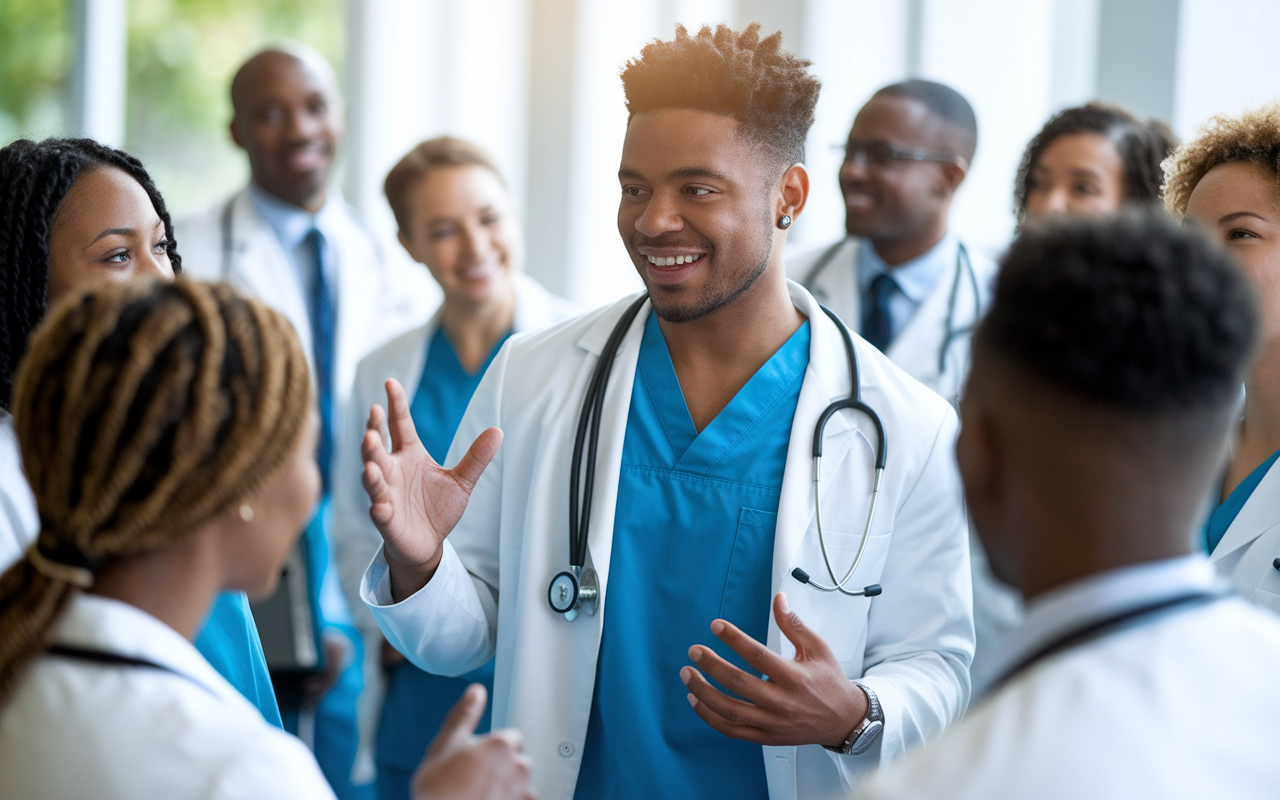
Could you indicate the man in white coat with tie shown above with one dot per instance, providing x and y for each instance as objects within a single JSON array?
[
  {"x": 902, "y": 277},
  {"x": 700, "y": 523},
  {"x": 1096, "y": 419},
  {"x": 290, "y": 240}
]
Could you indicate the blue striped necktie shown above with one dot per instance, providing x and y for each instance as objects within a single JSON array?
[
  {"x": 320, "y": 308},
  {"x": 877, "y": 324}
]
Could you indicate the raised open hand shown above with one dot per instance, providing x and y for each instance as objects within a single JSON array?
[{"x": 416, "y": 502}]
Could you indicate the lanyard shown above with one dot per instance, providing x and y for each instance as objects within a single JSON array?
[
  {"x": 1126, "y": 620},
  {"x": 108, "y": 659}
]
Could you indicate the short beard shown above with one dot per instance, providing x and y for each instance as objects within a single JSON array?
[{"x": 716, "y": 296}]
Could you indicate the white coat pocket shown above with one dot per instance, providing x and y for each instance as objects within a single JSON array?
[{"x": 840, "y": 620}]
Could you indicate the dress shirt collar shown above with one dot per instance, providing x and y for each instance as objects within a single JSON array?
[
  {"x": 93, "y": 622},
  {"x": 290, "y": 223},
  {"x": 916, "y": 278},
  {"x": 1077, "y": 604}
]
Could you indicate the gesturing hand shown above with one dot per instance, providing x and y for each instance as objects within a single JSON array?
[
  {"x": 416, "y": 503},
  {"x": 805, "y": 701},
  {"x": 462, "y": 766}
]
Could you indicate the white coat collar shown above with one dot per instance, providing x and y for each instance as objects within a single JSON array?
[{"x": 1257, "y": 515}]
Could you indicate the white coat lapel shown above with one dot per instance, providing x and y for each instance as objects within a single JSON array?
[
  {"x": 260, "y": 266},
  {"x": 916, "y": 346},
  {"x": 834, "y": 283},
  {"x": 1259, "y": 513},
  {"x": 613, "y": 431}
]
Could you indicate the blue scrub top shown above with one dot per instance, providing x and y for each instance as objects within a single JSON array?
[
  {"x": 1220, "y": 520},
  {"x": 418, "y": 701},
  {"x": 692, "y": 542},
  {"x": 229, "y": 641}
]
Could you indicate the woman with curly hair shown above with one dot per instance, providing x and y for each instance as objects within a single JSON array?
[
  {"x": 1091, "y": 159},
  {"x": 1228, "y": 180},
  {"x": 72, "y": 212}
]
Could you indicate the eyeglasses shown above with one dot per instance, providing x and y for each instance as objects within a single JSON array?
[{"x": 880, "y": 155}]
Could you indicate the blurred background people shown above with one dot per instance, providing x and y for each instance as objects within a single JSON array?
[
  {"x": 900, "y": 277},
  {"x": 1092, "y": 159},
  {"x": 457, "y": 218},
  {"x": 170, "y": 430},
  {"x": 1227, "y": 180},
  {"x": 291, "y": 240},
  {"x": 75, "y": 211},
  {"x": 1102, "y": 396}
]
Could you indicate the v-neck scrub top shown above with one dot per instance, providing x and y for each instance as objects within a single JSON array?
[
  {"x": 692, "y": 542},
  {"x": 417, "y": 702},
  {"x": 1219, "y": 521}
]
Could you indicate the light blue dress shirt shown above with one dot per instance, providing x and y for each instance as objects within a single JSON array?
[
  {"x": 915, "y": 278},
  {"x": 692, "y": 542},
  {"x": 291, "y": 225},
  {"x": 417, "y": 702}
]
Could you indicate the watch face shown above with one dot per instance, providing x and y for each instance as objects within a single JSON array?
[
  {"x": 563, "y": 592},
  {"x": 866, "y": 737}
]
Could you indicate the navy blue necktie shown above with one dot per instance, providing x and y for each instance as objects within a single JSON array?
[
  {"x": 320, "y": 307},
  {"x": 877, "y": 323}
]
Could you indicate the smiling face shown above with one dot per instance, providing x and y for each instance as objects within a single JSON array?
[
  {"x": 1239, "y": 204},
  {"x": 288, "y": 120},
  {"x": 698, "y": 210},
  {"x": 462, "y": 226},
  {"x": 1081, "y": 173},
  {"x": 899, "y": 200},
  {"x": 105, "y": 228}
]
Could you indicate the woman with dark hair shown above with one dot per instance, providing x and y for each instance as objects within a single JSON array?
[
  {"x": 1092, "y": 159},
  {"x": 73, "y": 211}
]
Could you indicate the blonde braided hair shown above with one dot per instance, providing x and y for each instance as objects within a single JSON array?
[{"x": 145, "y": 410}]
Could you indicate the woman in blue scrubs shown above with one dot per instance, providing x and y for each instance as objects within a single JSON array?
[
  {"x": 56, "y": 196},
  {"x": 455, "y": 217},
  {"x": 1228, "y": 180}
]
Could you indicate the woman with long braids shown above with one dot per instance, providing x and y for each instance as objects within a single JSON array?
[
  {"x": 74, "y": 211},
  {"x": 169, "y": 435}
]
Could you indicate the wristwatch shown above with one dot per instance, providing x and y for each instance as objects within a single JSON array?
[{"x": 865, "y": 735}]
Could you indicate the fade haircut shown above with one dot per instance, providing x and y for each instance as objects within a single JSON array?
[
  {"x": 1131, "y": 312},
  {"x": 945, "y": 104},
  {"x": 768, "y": 91},
  {"x": 1142, "y": 147}
]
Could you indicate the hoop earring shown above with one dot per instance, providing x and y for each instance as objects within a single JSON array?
[{"x": 784, "y": 222}]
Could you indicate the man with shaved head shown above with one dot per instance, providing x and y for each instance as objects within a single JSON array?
[
  {"x": 902, "y": 277},
  {"x": 290, "y": 239}
]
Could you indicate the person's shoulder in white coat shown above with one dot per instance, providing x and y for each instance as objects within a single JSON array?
[
  {"x": 1182, "y": 708},
  {"x": 19, "y": 521},
  {"x": 79, "y": 729}
]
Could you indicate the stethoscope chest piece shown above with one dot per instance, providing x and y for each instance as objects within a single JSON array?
[{"x": 574, "y": 590}]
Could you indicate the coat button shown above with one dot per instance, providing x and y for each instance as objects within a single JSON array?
[
  {"x": 566, "y": 749},
  {"x": 1276, "y": 563}
]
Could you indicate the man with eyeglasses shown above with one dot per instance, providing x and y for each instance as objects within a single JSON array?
[
  {"x": 902, "y": 279},
  {"x": 899, "y": 277}
]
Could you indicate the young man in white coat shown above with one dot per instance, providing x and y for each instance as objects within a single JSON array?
[
  {"x": 1096, "y": 419},
  {"x": 290, "y": 240},
  {"x": 902, "y": 277},
  {"x": 702, "y": 482}
]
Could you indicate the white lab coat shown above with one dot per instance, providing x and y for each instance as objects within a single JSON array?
[
  {"x": 19, "y": 520},
  {"x": 912, "y": 645},
  {"x": 832, "y": 277},
  {"x": 1184, "y": 708},
  {"x": 376, "y": 301},
  {"x": 1252, "y": 543},
  {"x": 79, "y": 729}
]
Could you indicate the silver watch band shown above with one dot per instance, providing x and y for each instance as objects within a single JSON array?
[{"x": 866, "y": 734}]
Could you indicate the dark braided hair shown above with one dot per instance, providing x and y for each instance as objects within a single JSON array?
[
  {"x": 145, "y": 410},
  {"x": 34, "y": 178},
  {"x": 1131, "y": 311},
  {"x": 769, "y": 91},
  {"x": 1142, "y": 147}
]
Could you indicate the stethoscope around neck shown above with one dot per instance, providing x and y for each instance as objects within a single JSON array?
[{"x": 578, "y": 588}]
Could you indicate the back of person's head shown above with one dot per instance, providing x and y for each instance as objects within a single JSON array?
[
  {"x": 34, "y": 179},
  {"x": 1131, "y": 313},
  {"x": 1142, "y": 146},
  {"x": 944, "y": 104},
  {"x": 768, "y": 91},
  {"x": 145, "y": 410},
  {"x": 441, "y": 152},
  {"x": 1252, "y": 137}
]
